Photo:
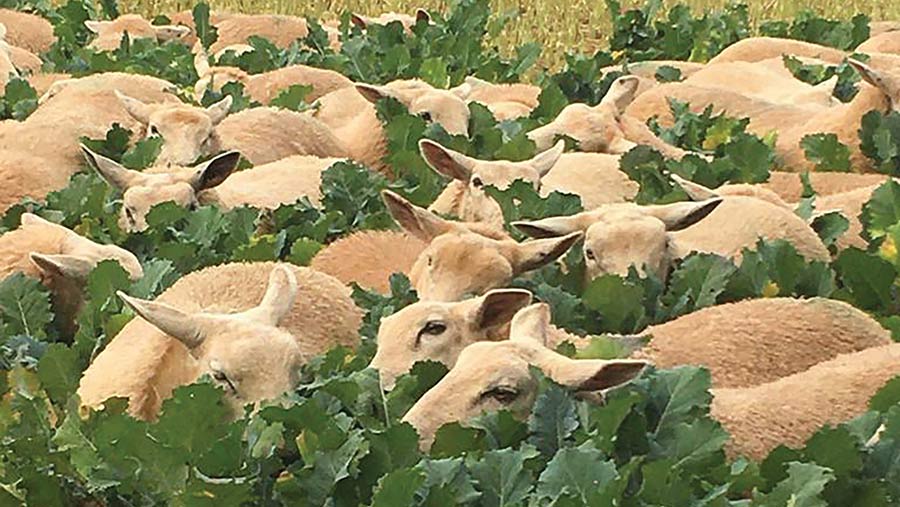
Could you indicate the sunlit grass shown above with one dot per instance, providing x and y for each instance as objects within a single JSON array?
[{"x": 558, "y": 25}]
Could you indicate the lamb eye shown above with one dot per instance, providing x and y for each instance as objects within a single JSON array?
[
  {"x": 129, "y": 214},
  {"x": 153, "y": 130},
  {"x": 425, "y": 115},
  {"x": 503, "y": 395},
  {"x": 192, "y": 206},
  {"x": 431, "y": 328},
  {"x": 220, "y": 377},
  {"x": 477, "y": 182},
  {"x": 590, "y": 254}
]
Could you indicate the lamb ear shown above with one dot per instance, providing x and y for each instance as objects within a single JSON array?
[
  {"x": 543, "y": 162},
  {"x": 595, "y": 374},
  {"x": 215, "y": 171},
  {"x": 870, "y": 75},
  {"x": 621, "y": 93},
  {"x": 373, "y": 93},
  {"x": 201, "y": 60},
  {"x": 422, "y": 15},
  {"x": 695, "y": 191},
  {"x": 531, "y": 324},
  {"x": 111, "y": 171},
  {"x": 137, "y": 109},
  {"x": 446, "y": 161},
  {"x": 32, "y": 219},
  {"x": 94, "y": 26},
  {"x": 681, "y": 215},
  {"x": 358, "y": 20},
  {"x": 67, "y": 266},
  {"x": 165, "y": 33},
  {"x": 175, "y": 323},
  {"x": 417, "y": 221},
  {"x": 535, "y": 253},
  {"x": 218, "y": 111},
  {"x": 279, "y": 298},
  {"x": 499, "y": 306},
  {"x": 554, "y": 227}
]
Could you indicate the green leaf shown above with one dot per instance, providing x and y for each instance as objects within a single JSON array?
[
  {"x": 882, "y": 211},
  {"x": 827, "y": 152},
  {"x": 398, "y": 488},
  {"x": 581, "y": 475},
  {"x": 867, "y": 279},
  {"x": 886, "y": 397},
  {"x": 24, "y": 307},
  {"x": 667, "y": 74},
  {"x": 202, "y": 26},
  {"x": 552, "y": 419},
  {"x": 830, "y": 227},
  {"x": 292, "y": 98},
  {"x": 618, "y": 301},
  {"x": 19, "y": 100},
  {"x": 503, "y": 477},
  {"x": 143, "y": 154},
  {"x": 59, "y": 371},
  {"x": 192, "y": 420},
  {"x": 802, "y": 488},
  {"x": 836, "y": 449}
]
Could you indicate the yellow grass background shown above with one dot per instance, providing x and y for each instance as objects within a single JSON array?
[{"x": 559, "y": 25}]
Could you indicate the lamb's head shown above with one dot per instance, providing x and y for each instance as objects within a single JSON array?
[
  {"x": 111, "y": 32},
  {"x": 407, "y": 20},
  {"x": 213, "y": 78},
  {"x": 492, "y": 376},
  {"x": 436, "y": 331},
  {"x": 188, "y": 132},
  {"x": 698, "y": 192},
  {"x": 476, "y": 205},
  {"x": 459, "y": 263},
  {"x": 77, "y": 256},
  {"x": 143, "y": 190},
  {"x": 885, "y": 78},
  {"x": 246, "y": 353},
  {"x": 595, "y": 128},
  {"x": 624, "y": 235},
  {"x": 433, "y": 105}
]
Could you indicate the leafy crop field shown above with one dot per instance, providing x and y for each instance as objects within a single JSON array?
[{"x": 338, "y": 438}]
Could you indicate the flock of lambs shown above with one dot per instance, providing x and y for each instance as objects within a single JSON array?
[{"x": 781, "y": 367}]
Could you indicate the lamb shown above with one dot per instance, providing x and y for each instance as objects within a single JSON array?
[
  {"x": 465, "y": 259},
  {"x": 43, "y": 81},
  {"x": 261, "y": 134},
  {"x": 27, "y": 31},
  {"x": 110, "y": 33},
  {"x": 455, "y": 258},
  {"x": 698, "y": 192},
  {"x": 84, "y": 107},
  {"x": 213, "y": 182},
  {"x": 368, "y": 258},
  {"x": 887, "y": 42},
  {"x": 436, "y": 331},
  {"x": 14, "y": 58},
  {"x": 61, "y": 259},
  {"x": 603, "y": 128},
  {"x": 26, "y": 176},
  {"x": 7, "y": 67},
  {"x": 351, "y": 115},
  {"x": 190, "y": 330},
  {"x": 491, "y": 376},
  {"x": 595, "y": 177},
  {"x": 619, "y": 236},
  {"x": 505, "y": 101},
  {"x": 789, "y": 410},
  {"x": 280, "y": 30},
  {"x": 754, "y": 49},
  {"x": 756, "y": 341},
  {"x": 759, "y": 81},
  {"x": 647, "y": 69},
  {"x": 881, "y": 92},
  {"x": 789, "y": 187},
  {"x": 264, "y": 87}
]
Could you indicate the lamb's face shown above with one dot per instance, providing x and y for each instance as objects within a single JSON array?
[
  {"x": 188, "y": 132},
  {"x": 491, "y": 376},
  {"x": 596, "y": 129},
  {"x": 143, "y": 190},
  {"x": 433, "y": 331},
  {"x": 475, "y": 204},
  {"x": 245, "y": 353},
  {"x": 444, "y": 108},
  {"x": 624, "y": 235},
  {"x": 883, "y": 75}
]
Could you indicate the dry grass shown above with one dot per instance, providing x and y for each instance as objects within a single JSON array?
[{"x": 557, "y": 25}]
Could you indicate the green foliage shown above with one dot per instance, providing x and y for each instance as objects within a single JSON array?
[
  {"x": 879, "y": 137},
  {"x": 19, "y": 100},
  {"x": 845, "y": 88},
  {"x": 810, "y": 27},
  {"x": 827, "y": 152}
]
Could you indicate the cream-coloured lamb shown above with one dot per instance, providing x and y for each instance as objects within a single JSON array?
[
  {"x": 594, "y": 177},
  {"x": 110, "y": 33},
  {"x": 27, "y": 31},
  {"x": 72, "y": 109},
  {"x": 880, "y": 92},
  {"x": 278, "y": 29},
  {"x": 60, "y": 258},
  {"x": 267, "y": 186},
  {"x": 351, "y": 115},
  {"x": 222, "y": 321},
  {"x": 7, "y": 67},
  {"x": 14, "y": 58},
  {"x": 789, "y": 410},
  {"x": 754, "y": 49},
  {"x": 619, "y": 236},
  {"x": 452, "y": 260},
  {"x": 789, "y": 186},
  {"x": 261, "y": 134},
  {"x": 760, "y": 81},
  {"x": 266, "y": 86},
  {"x": 887, "y": 42},
  {"x": 491, "y": 376},
  {"x": 603, "y": 128},
  {"x": 23, "y": 175},
  {"x": 505, "y": 101}
]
